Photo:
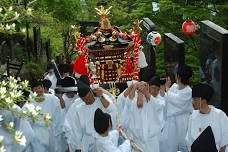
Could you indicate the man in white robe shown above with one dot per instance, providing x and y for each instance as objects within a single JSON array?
[
  {"x": 178, "y": 108},
  {"x": 70, "y": 95},
  {"x": 145, "y": 123},
  {"x": 50, "y": 75},
  {"x": 45, "y": 138},
  {"x": 205, "y": 115},
  {"x": 19, "y": 124},
  {"x": 82, "y": 135},
  {"x": 107, "y": 141}
]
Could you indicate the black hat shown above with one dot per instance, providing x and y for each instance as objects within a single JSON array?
[
  {"x": 101, "y": 121},
  {"x": 155, "y": 80},
  {"x": 35, "y": 83},
  {"x": 68, "y": 82},
  {"x": 205, "y": 142},
  {"x": 83, "y": 85},
  {"x": 65, "y": 68},
  {"x": 184, "y": 71},
  {"x": 203, "y": 91}
]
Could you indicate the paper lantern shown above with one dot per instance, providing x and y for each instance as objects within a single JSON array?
[
  {"x": 188, "y": 27},
  {"x": 154, "y": 38}
]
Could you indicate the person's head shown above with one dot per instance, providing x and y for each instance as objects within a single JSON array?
[
  {"x": 50, "y": 69},
  {"x": 102, "y": 122},
  {"x": 84, "y": 90},
  {"x": 65, "y": 70},
  {"x": 154, "y": 85},
  {"x": 46, "y": 84},
  {"x": 37, "y": 87},
  {"x": 184, "y": 73},
  {"x": 201, "y": 95},
  {"x": 69, "y": 82}
]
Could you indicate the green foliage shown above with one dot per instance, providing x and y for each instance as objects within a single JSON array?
[{"x": 32, "y": 71}]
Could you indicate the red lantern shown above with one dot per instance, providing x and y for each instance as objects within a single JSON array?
[{"x": 188, "y": 27}]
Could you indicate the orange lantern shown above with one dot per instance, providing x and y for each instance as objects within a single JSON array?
[{"x": 188, "y": 27}]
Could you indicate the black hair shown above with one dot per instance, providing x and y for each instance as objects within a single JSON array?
[
  {"x": 46, "y": 84},
  {"x": 102, "y": 121}
]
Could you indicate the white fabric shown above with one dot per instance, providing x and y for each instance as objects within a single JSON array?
[
  {"x": 20, "y": 125},
  {"x": 218, "y": 121},
  {"x": 142, "y": 60},
  {"x": 53, "y": 80},
  {"x": 68, "y": 101},
  {"x": 144, "y": 124},
  {"x": 106, "y": 144},
  {"x": 69, "y": 125},
  {"x": 46, "y": 139},
  {"x": 51, "y": 91},
  {"x": 178, "y": 108},
  {"x": 81, "y": 135}
]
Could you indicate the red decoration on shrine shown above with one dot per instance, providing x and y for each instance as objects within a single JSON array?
[
  {"x": 188, "y": 27},
  {"x": 137, "y": 43},
  {"x": 79, "y": 65}
]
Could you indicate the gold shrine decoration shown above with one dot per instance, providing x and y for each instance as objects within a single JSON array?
[
  {"x": 102, "y": 11},
  {"x": 76, "y": 33},
  {"x": 137, "y": 29},
  {"x": 104, "y": 21}
]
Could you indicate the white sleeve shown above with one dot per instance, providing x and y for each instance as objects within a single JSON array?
[
  {"x": 224, "y": 127},
  {"x": 114, "y": 137},
  {"x": 58, "y": 118},
  {"x": 110, "y": 147},
  {"x": 121, "y": 100},
  {"x": 125, "y": 146},
  {"x": 178, "y": 99},
  {"x": 74, "y": 134},
  {"x": 125, "y": 116},
  {"x": 188, "y": 138}
]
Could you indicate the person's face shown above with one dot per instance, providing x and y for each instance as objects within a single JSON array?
[
  {"x": 70, "y": 94},
  {"x": 51, "y": 71},
  {"x": 154, "y": 90},
  {"x": 196, "y": 103},
  {"x": 66, "y": 74},
  {"x": 39, "y": 90},
  {"x": 88, "y": 98}
]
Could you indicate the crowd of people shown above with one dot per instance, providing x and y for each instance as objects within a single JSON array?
[{"x": 153, "y": 116}]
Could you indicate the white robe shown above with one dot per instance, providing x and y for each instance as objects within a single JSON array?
[
  {"x": 145, "y": 124},
  {"x": 218, "y": 121},
  {"x": 53, "y": 80},
  {"x": 20, "y": 124},
  {"x": 46, "y": 139},
  {"x": 121, "y": 109},
  {"x": 82, "y": 134},
  {"x": 68, "y": 101},
  {"x": 69, "y": 124},
  {"x": 178, "y": 110},
  {"x": 109, "y": 143}
]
